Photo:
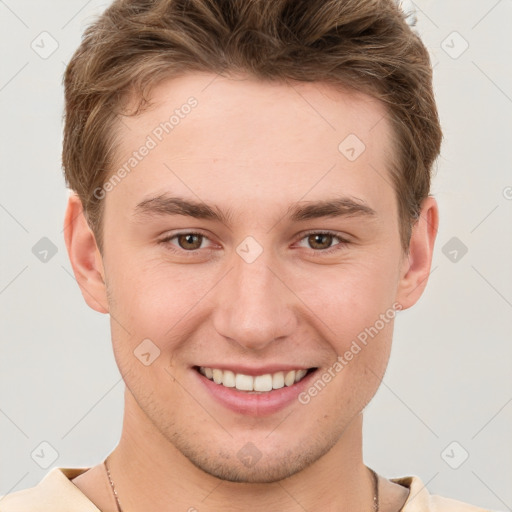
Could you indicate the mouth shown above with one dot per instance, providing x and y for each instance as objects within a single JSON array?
[
  {"x": 254, "y": 384},
  {"x": 257, "y": 392}
]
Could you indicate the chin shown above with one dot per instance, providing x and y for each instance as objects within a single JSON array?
[
  {"x": 250, "y": 466},
  {"x": 260, "y": 473}
]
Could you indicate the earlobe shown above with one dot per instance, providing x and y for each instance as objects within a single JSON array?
[
  {"x": 84, "y": 256},
  {"x": 416, "y": 265}
]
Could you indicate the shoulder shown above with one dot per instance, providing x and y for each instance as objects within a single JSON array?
[
  {"x": 54, "y": 493},
  {"x": 420, "y": 500},
  {"x": 440, "y": 504}
]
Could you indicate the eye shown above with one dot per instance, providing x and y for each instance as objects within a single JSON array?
[
  {"x": 191, "y": 242},
  {"x": 186, "y": 241},
  {"x": 321, "y": 241}
]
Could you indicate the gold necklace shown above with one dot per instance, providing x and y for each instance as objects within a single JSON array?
[{"x": 375, "y": 489}]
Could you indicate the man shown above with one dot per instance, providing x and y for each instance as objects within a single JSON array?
[{"x": 251, "y": 207}]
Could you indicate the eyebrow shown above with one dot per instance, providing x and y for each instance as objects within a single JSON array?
[{"x": 306, "y": 210}]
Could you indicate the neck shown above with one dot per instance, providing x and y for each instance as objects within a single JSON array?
[{"x": 149, "y": 473}]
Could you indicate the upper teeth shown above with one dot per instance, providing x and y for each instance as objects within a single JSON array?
[{"x": 243, "y": 382}]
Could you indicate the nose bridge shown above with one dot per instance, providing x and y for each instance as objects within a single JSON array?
[{"x": 252, "y": 304}]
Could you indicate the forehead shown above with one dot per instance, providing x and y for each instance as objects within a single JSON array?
[
  {"x": 241, "y": 107},
  {"x": 213, "y": 135}
]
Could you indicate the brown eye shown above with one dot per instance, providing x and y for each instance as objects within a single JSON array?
[
  {"x": 190, "y": 241},
  {"x": 323, "y": 243},
  {"x": 320, "y": 240}
]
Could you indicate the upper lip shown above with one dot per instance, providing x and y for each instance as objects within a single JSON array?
[{"x": 256, "y": 370}]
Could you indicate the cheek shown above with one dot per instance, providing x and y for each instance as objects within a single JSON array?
[
  {"x": 152, "y": 293},
  {"x": 155, "y": 301},
  {"x": 347, "y": 299}
]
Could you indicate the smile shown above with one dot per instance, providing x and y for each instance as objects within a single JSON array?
[{"x": 255, "y": 384}]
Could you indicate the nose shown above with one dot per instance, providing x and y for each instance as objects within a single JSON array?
[{"x": 253, "y": 305}]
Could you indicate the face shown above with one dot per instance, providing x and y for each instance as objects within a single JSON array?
[{"x": 255, "y": 236}]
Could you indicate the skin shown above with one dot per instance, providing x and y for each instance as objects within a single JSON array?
[{"x": 253, "y": 149}]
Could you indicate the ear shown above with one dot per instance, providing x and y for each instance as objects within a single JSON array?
[
  {"x": 85, "y": 256},
  {"x": 416, "y": 264}
]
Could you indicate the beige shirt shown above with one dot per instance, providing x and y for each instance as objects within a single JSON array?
[{"x": 56, "y": 493}]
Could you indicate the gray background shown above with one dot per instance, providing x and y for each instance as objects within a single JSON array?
[{"x": 449, "y": 379}]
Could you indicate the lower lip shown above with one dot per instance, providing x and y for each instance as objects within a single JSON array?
[{"x": 255, "y": 404}]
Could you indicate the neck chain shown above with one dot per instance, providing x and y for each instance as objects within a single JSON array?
[
  {"x": 375, "y": 489},
  {"x": 119, "y": 509}
]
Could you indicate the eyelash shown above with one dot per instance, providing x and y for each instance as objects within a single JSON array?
[{"x": 320, "y": 252}]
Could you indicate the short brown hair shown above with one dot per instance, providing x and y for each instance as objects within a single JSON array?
[{"x": 365, "y": 45}]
